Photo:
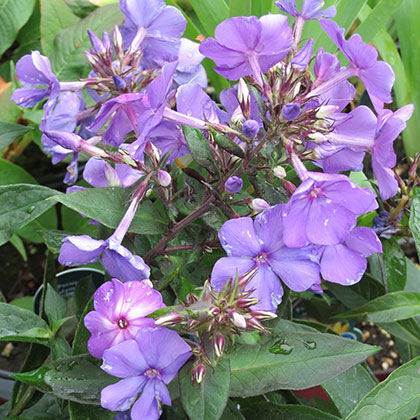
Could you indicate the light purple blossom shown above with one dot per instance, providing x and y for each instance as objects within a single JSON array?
[
  {"x": 345, "y": 263},
  {"x": 160, "y": 27},
  {"x": 248, "y": 45},
  {"x": 258, "y": 246},
  {"x": 120, "y": 311},
  {"x": 99, "y": 173},
  {"x": 311, "y": 9},
  {"x": 233, "y": 184},
  {"x": 38, "y": 80},
  {"x": 290, "y": 111},
  {"x": 146, "y": 364},
  {"x": 250, "y": 128},
  {"x": 303, "y": 57},
  {"x": 324, "y": 209}
]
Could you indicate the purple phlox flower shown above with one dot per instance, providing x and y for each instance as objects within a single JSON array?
[
  {"x": 160, "y": 26},
  {"x": 345, "y": 263},
  {"x": 248, "y": 45},
  {"x": 117, "y": 260},
  {"x": 168, "y": 136},
  {"x": 259, "y": 247},
  {"x": 377, "y": 76},
  {"x": 191, "y": 100},
  {"x": 233, "y": 184},
  {"x": 190, "y": 69},
  {"x": 120, "y": 311},
  {"x": 146, "y": 364},
  {"x": 350, "y": 137},
  {"x": 124, "y": 110},
  {"x": 99, "y": 173},
  {"x": 390, "y": 125},
  {"x": 250, "y": 128},
  {"x": 382, "y": 225},
  {"x": 38, "y": 80},
  {"x": 324, "y": 209},
  {"x": 290, "y": 111},
  {"x": 303, "y": 57},
  {"x": 311, "y": 9},
  {"x": 64, "y": 112}
]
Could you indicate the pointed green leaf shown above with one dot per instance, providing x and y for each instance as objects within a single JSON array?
[
  {"x": 398, "y": 397},
  {"x": 240, "y": 8},
  {"x": 210, "y": 13},
  {"x": 415, "y": 218},
  {"x": 294, "y": 357},
  {"x": 90, "y": 412},
  {"x": 10, "y": 132},
  {"x": 395, "y": 265}
]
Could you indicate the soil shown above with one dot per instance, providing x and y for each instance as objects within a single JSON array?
[{"x": 12, "y": 355}]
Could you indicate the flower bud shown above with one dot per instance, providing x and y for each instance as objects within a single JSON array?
[
  {"x": 169, "y": 320},
  {"x": 237, "y": 319},
  {"x": 218, "y": 345},
  {"x": 290, "y": 111},
  {"x": 263, "y": 315},
  {"x": 119, "y": 82},
  {"x": 250, "y": 128},
  {"x": 198, "y": 373},
  {"x": 244, "y": 98},
  {"x": 253, "y": 324},
  {"x": 192, "y": 323},
  {"x": 326, "y": 110},
  {"x": 412, "y": 172},
  {"x": 69, "y": 141},
  {"x": 111, "y": 176},
  {"x": 289, "y": 187},
  {"x": 279, "y": 172},
  {"x": 317, "y": 137},
  {"x": 214, "y": 311},
  {"x": 246, "y": 302},
  {"x": 97, "y": 44},
  {"x": 258, "y": 204},
  {"x": 118, "y": 42},
  {"x": 233, "y": 184},
  {"x": 164, "y": 178}
]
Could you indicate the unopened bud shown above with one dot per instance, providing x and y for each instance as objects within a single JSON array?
[
  {"x": 119, "y": 82},
  {"x": 233, "y": 184},
  {"x": 258, "y": 204},
  {"x": 192, "y": 323},
  {"x": 326, "y": 110},
  {"x": 250, "y": 128},
  {"x": 214, "y": 311},
  {"x": 152, "y": 151},
  {"x": 246, "y": 302},
  {"x": 412, "y": 172},
  {"x": 279, "y": 172},
  {"x": 69, "y": 141},
  {"x": 218, "y": 345},
  {"x": 198, "y": 373},
  {"x": 94, "y": 62},
  {"x": 169, "y": 320},
  {"x": 289, "y": 187},
  {"x": 263, "y": 315},
  {"x": 317, "y": 137},
  {"x": 111, "y": 176},
  {"x": 301, "y": 59},
  {"x": 253, "y": 324},
  {"x": 164, "y": 178},
  {"x": 118, "y": 42},
  {"x": 290, "y": 111},
  {"x": 97, "y": 44},
  {"x": 244, "y": 98},
  {"x": 237, "y": 319}
]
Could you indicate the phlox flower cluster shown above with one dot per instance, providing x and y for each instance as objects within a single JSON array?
[{"x": 146, "y": 83}]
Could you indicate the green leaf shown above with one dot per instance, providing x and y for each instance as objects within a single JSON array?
[
  {"x": 398, "y": 397},
  {"x": 294, "y": 357},
  {"x": 10, "y": 132},
  {"x": 55, "y": 16},
  {"x": 68, "y": 59},
  {"x": 347, "y": 389},
  {"x": 81, "y": 8},
  {"x": 22, "y": 203},
  {"x": 199, "y": 148},
  {"x": 55, "y": 305},
  {"x": 25, "y": 302},
  {"x": 75, "y": 378},
  {"x": 415, "y": 218},
  {"x": 406, "y": 329},
  {"x": 388, "y": 308},
  {"x": 232, "y": 412},
  {"x": 229, "y": 145},
  {"x": 82, "y": 334},
  {"x": 108, "y": 206},
  {"x": 13, "y": 16},
  {"x": 395, "y": 265},
  {"x": 20, "y": 246},
  {"x": 17, "y": 324},
  {"x": 378, "y": 18},
  {"x": 205, "y": 401},
  {"x": 266, "y": 410},
  {"x": 240, "y": 8},
  {"x": 210, "y": 13},
  {"x": 89, "y": 412}
]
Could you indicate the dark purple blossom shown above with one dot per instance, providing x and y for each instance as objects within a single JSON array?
[
  {"x": 258, "y": 247},
  {"x": 345, "y": 263},
  {"x": 146, "y": 364},
  {"x": 290, "y": 111},
  {"x": 38, "y": 80},
  {"x": 233, "y": 184},
  {"x": 248, "y": 45},
  {"x": 324, "y": 209},
  {"x": 120, "y": 311},
  {"x": 311, "y": 9},
  {"x": 159, "y": 27},
  {"x": 250, "y": 128}
]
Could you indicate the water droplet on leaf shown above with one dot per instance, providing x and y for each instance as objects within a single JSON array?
[
  {"x": 281, "y": 347},
  {"x": 310, "y": 345},
  {"x": 30, "y": 209}
]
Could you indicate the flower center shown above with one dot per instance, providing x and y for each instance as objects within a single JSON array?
[
  {"x": 122, "y": 323},
  {"x": 261, "y": 258},
  {"x": 316, "y": 192},
  {"x": 151, "y": 373}
]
